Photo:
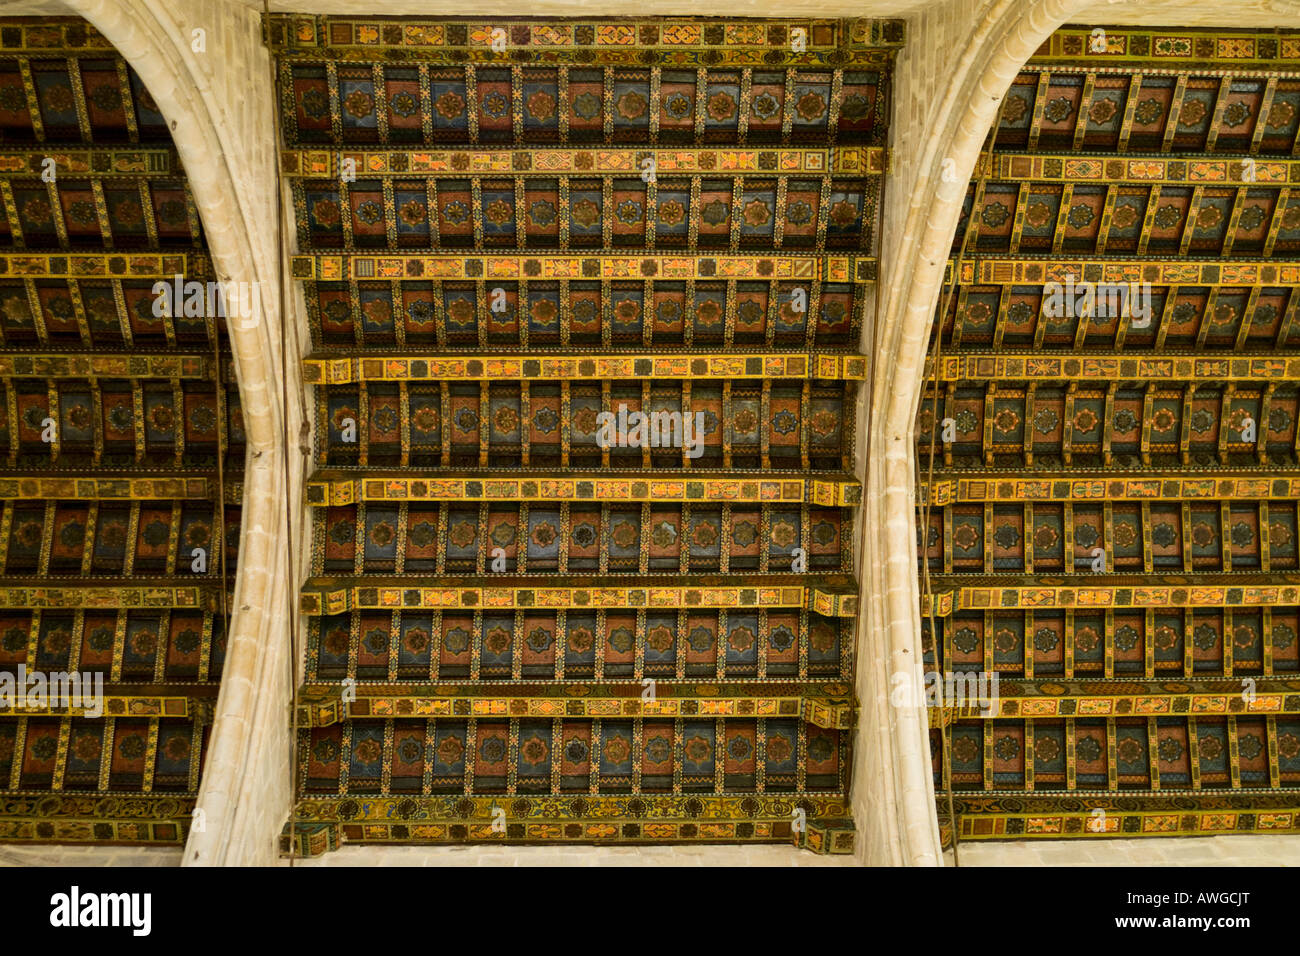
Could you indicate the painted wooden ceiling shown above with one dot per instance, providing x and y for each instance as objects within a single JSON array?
[
  {"x": 1108, "y": 493},
  {"x": 504, "y": 231},
  {"x": 115, "y": 421}
]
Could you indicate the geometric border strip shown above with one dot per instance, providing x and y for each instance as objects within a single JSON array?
[
  {"x": 108, "y": 265},
  {"x": 1102, "y": 368},
  {"x": 1111, "y": 487},
  {"x": 104, "y": 488},
  {"x": 100, "y": 163},
  {"x": 326, "y": 599},
  {"x": 200, "y": 597},
  {"x": 366, "y": 808},
  {"x": 478, "y": 807},
  {"x": 165, "y": 829},
  {"x": 602, "y": 265},
  {"x": 588, "y": 41},
  {"x": 547, "y": 161},
  {"x": 1006, "y": 270},
  {"x": 101, "y": 365},
  {"x": 830, "y": 714},
  {"x": 114, "y": 705},
  {"x": 1061, "y": 167},
  {"x": 833, "y": 835},
  {"x": 692, "y": 365},
  {"x": 1118, "y": 823},
  {"x": 1139, "y": 596},
  {"x": 54, "y": 36},
  {"x": 338, "y": 491},
  {"x": 1164, "y": 49},
  {"x": 830, "y": 836},
  {"x": 1194, "y": 703}
]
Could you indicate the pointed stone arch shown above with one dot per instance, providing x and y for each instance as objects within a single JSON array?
[
  {"x": 221, "y": 124},
  {"x": 954, "y": 73},
  {"x": 966, "y": 79}
]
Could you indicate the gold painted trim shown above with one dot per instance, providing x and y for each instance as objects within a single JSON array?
[
  {"x": 1018, "y": 270},
  {"x": 1280, "y": 589},
  {"x": 598, "y": 265},
  {"x": 103, "y": 488},
  {"x": 335, "y": 491},
  {"x": 1112, "y": 368},
  {"x": 328, "y": 370},
  {"x": 1121, "y": 705},
  {"x": 327, "y": 597},
  {"x": 1111, "y": 487},
  {"x": 1161, "y": 169},
  {"x": 97, "y": 163},
  {"x": 199, "y": 597},
  {"x": 47, "y": 365},
  {"x": 104, "y": 265},
  {"x": 1172, "y": 49},
  {"x": 676, "y": 40},
  {"x": 563, "y": 161},
  {"x": 115, "y": 705}
]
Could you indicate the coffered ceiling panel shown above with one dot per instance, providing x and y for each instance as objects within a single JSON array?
[
  {"x": 516, "y": 630},
  {"x": 1108, "y": 448}
]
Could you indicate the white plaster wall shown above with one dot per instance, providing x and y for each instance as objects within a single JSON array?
[
  {"x": 21, "y": 854},
  {"x": 1236, "y": 850}
]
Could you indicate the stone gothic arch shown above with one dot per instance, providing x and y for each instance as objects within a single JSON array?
[
  {"x": 221, "y": 124},
  {"x": 918, "y": 233}
]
